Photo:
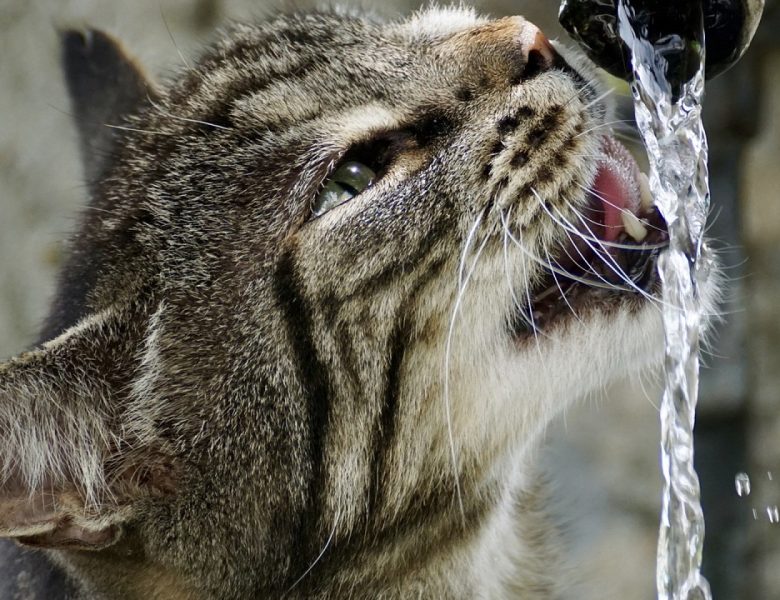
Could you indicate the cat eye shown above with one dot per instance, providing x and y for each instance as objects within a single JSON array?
[{"x": 346, "y": 182}]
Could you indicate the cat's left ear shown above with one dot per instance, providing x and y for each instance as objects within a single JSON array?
[
  {"x": 79, "y": 449},
  {"x": 105, "y": 86}
]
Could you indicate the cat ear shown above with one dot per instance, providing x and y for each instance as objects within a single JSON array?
[
  {"x": 75, "y": 463},
  {"x": 54, "y": 518},
  {"x": 105, "y": 85}
]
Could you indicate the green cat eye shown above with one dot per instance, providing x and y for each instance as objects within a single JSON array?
[{"x": 347, "y": 181}]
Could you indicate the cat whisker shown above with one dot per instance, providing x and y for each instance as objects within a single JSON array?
[
  {"x": 599, "y": 98},
  {"x": 87, "y": 207},
  {"x": 629, "y": 124},
  {"x": 605, "y": 243},
  {"x": 628, "y": 137},
  {"x": 712, "y": 218},
  {"x": 135, "y": 130},
  {"x": 605, "y": 125},
  {"x": 572, "y": 208},
  {"x": 643, "y": 386},
  {"x": 609, "y": 260},
  {"x": 510, "y": 284},
  {"x": 320, "y": 555},
  {"x": 463, "y": 281},
  {"x": 164, "y": 113},
  {"x": 587, "y": 156},
  {"x": 528, "y": 319},
  {"x": 185, "y": 62},
  {"x": 563, "y": 272},
  {"x": 469, "y": 239},
  {"x": 579, "y": 90},
  {"x": 560, "y": 289},
  {"x": 73, "y": 116},
  {"x": 612, "y": 204},
  {"x": 570, "y": 229},
  {"x": 526, "y": 278},
  {"x": 581, "y": 255},
  {"x": 626, "y": 127}
]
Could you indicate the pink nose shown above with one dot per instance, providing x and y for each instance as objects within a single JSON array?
[
  {"x": 510, "y": 47},
  {"x": 537, "y": 49}
]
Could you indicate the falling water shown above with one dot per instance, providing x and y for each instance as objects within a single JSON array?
[
  {"x": 669, "y": 119},
  {"x": 742, "y": 483}
]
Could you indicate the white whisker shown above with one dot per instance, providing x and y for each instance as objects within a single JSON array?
[
  {"x": 510, "y": 284},
  {"x": 163, "y": 112},
  {"x": 613, "y": 205},
  {"x": 599, "y": 98},
  {"x": 582, "y": 256},
  {"x": 526, "y": 278},
  {"x": 604, "y": 243},
  {"x": 605, "y": 125},
  {"x": 320, "y": 555},
  {"x": 560, "y": 289},
  {"x": 463, "y": 282},
  {"x": 607, "y": 258},
  {"x": 528, "y": 319},
  {"x": 580, "y": 89},
  {"x": 610, "y": 261},
  {"x": 184, "y": 61},
  {"x": 648, "y": 397},
  {"x": 628, "y": 137},
  {"x": 469, "y": 239},
  {"x": 133, "y": 129},
  {"x": 564, "y": 273}
]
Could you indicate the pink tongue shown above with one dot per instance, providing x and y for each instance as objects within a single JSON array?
[
  {"x": 613, "y": 192},
  {"x": 616, "y": 186}
]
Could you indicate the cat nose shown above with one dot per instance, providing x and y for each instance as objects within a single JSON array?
[
  {"x": 533, "y": 52},
  {"x": 536, "y": 48},
  {"x": 510, "y": 49}
]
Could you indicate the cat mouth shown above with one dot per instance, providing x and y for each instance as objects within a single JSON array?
[{"x": 610, "y": 249}]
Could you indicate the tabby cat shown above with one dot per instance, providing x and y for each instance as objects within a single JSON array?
[{"x": 333, "y": 283}]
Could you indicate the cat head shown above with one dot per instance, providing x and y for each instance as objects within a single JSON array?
[{"x": 335, "y": 278}]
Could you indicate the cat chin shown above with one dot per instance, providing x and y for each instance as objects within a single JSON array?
[
  {"x": 520, "y": 385},
  {"x": 617, "y": 338}
]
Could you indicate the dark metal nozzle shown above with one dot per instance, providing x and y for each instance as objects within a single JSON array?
[{"x": 728, "y": 27}]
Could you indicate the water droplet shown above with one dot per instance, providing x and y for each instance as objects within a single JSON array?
[
  {"x": 773, "y": 513},
  {"x": 742, "y": 483},
  {"x": 769, "y": 475},
  {"x": 755, "y": 515}
]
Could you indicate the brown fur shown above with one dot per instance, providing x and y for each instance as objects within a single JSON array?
[{"x": 237, "y": 400}]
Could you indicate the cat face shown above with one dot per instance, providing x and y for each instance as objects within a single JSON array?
[{"x": 337, "y": 278}]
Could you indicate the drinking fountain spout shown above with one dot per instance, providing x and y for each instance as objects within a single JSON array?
[{"x": 674, "y": 26}]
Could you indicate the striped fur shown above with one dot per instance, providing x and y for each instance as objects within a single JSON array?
[{"x": 259, "y": 404}]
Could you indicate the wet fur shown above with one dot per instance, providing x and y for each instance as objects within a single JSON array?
[{"x": 236, "y": 400}]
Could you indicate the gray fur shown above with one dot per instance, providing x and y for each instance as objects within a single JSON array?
[{"x": 246, "y": 402}]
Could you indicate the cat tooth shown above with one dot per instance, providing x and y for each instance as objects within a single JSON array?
[
  {"x": 645, "y": 196},
  {"x": 633, "y": 226}
]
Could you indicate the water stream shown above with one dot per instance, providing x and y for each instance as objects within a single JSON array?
[{"x": 668, "y": 114}]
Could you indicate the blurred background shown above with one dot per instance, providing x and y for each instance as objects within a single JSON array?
[{"x": 603, "y": 457}]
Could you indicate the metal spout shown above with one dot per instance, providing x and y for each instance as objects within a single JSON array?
[{"x": 728, "y": 25}]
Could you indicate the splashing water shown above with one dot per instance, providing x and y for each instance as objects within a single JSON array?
[
  {"x": 669, "y": 120},
  {"x": 742, "y": 483}
]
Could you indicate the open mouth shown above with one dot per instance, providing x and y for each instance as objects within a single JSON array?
[{"x": 611, "y": 246}]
